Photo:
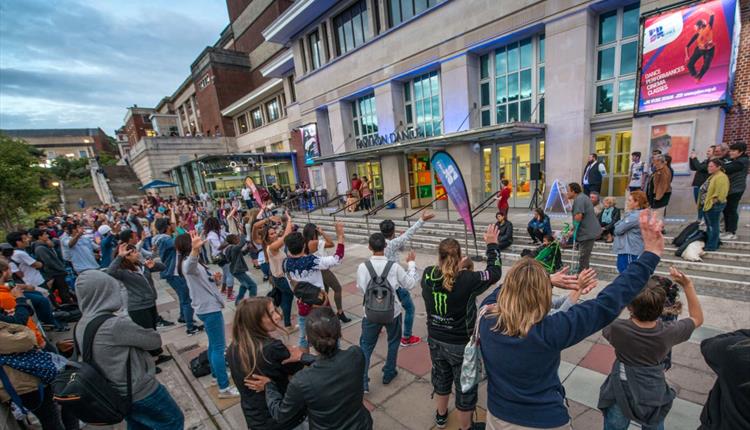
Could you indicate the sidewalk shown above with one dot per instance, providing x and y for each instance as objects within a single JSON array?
[{"x": 406, "y": 403}]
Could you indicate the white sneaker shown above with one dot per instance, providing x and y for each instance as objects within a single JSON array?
[
  {"x": 728, "y": 236},
  {"x": 229, "y": 392}
]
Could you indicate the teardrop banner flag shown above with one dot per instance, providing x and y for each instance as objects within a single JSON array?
[{"x": 450, "y": 175}]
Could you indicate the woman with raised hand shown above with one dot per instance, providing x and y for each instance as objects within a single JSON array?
[
  {"x": 273, "y": 248},
  {"x": 526, "y": 390}
]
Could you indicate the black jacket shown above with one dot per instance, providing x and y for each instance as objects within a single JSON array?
[
  {"x": 615, "y": 218},
  {"x": 451, "y": 315},
  {"x": 728, "y": 404},
  {"x": 52, "y": 265},
  {"x": 504, "y": 234},
  {"x": 701, "y": 171},
  {"x": 737, "y": 171},
  {"x": 269, "y": 364},
  {"x": 331, "y": 389}
]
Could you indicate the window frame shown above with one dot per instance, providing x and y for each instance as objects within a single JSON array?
[
  {"x": 239, "y": 124},
  {"x": 252, "y": 117},
  {"x": 277, "y": 103},
  {"x": 339, "y": 30},
  {"x": 411, "y": 102},
  {"x": 360, "y": 131},
  {"x": 536, "y": 68},
  {"x": 389, "y": 10},
  {"x": 316, "y": 49},
  {"x": 617, "y": 78}
]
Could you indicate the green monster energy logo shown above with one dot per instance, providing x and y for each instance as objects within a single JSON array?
[{"x": 441, "y": 302}]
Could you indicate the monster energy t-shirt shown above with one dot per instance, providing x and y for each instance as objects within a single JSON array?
[{"x": 451, "y": 314}]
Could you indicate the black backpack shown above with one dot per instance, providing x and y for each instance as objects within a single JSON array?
[
  {"x": 688, "y": 231},
  {"x": 200, "y": 366},
  {"x": 378, "y": 299},
  {"x": 82, "y": 389}
]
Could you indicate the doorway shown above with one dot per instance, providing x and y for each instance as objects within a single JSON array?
[
  {"x": 420, "y": 179},
  {"x": 511, "y": 162},
  {"x": 371, "y": 170},
  {"x": 613, "y": 148}
]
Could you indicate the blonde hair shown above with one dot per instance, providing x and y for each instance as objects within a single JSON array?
[
  {"x": 524, "y": 299},
  {"x": 449, "y": 257},
  {"x": 611, "y": 200}
]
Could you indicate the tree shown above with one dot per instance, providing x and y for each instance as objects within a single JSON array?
[
  {"x": 66, "y": 169},
  {"x": 20, "y": 181}
]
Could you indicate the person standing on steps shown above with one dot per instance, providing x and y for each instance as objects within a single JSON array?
[
  {"x": 396, "y": 277},
  {"x": 659, "y": 185},
  {"x": 593, "y": 174},
  {"x": 393, "y": 247},
  {"x": 637, "y": 172},
  {"x": 713, "y": 199},
  {"x": 701, "y": 174},
  {"x": 449, "y": 296},
  {"x": 503, "y": 197},
  {"x": 586, "y": 227},
  {"x": 736, "y": 168}
]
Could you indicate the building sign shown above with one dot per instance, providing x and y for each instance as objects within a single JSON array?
[
  {"x": 310, "y": 142},
  {"x": 389, "y": 139},
  {"x": 688, "y": 56},
  {"x": 450, "y": 176}
]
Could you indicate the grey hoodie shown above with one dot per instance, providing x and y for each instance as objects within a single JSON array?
[{"x": 99, "y": 294}]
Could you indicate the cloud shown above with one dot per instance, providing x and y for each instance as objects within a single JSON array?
[{"x": 80, "y": 64}]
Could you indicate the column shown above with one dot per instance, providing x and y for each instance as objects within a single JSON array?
[
  {"x": 342, "y": 139},
  {"x": 569, "y": 95},
  {"x": 393, "y": 171},
  {"x": 454, "y": 81}
]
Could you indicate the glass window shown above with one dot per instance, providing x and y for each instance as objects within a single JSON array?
[
  {"x": 403, "y": 10},
  {"x": 426, "y": 115},
  {"x": 525, "y": 84},
  {"x": 526, "y": 53},
  {"x": 364, "y": 116},
  {"x": 484, "y": 66},
  {"x": 485, "y": 118},
  {"x": 501, "y": 90},
  {"x": 513, "y": 57},
  {"x": 526, "y": 110},
  {"x": 242, "y": 124},
  {"x": 500, "y": 62},
  {"x": 316, "y": 49},
  {"x": 351, "y": 27},
  {"x": 617, "y": 59},
  {"x": 272, "y": 110},
  {"x": 513, "y": 87},
  {"x": 256, "y": 117},
  {"x": 485, "y": 94},
  {"x": 541, "y": 49}
]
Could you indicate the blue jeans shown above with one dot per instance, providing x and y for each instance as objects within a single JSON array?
[
  {"x": 287, "y": 297},
  {"x": 266, "y": 270},
  {"x": 214, "y": 324},
  {"x": 369, "y": 337},
  {"x": 157, "y": 411},
  {"x": 43, "y": 308},
  {"x": 408, "y": 304},
  {"x": 226, "y": 276},
  {"x": 614, "y": 419},
  {"x": 183, "y": 295},
  {"x": 302, "y": 339},
  {"x": 246, "y": 284},
  {"x": 712, "y": 226},
  {"x": 624, "y": 260}
]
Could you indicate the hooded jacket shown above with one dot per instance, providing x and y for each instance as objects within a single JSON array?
[
  {"x": 165, "y": 246},
  {"x": 140, "y": 286},
  {"x": 52, "y": 265},
  {"x": 15, "y": 339},
  {"x": 737, "y": 171},
  {"x": 118, "y": 338}
]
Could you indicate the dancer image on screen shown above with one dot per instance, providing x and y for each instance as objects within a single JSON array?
[{"x": 704, "y": 48}]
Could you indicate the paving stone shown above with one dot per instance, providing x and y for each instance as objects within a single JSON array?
[
  {"x": 382, "y": 421},
  {"x": 583, "y": 386},
  {"x": 413, "y": 407},
  {"x": 564, "y": 370},
  {"x": 600, "y": 358},
  {"x": 575, "y": 409},
  {"x": 591, "y": 419},
  {"x": 416, "y": 359},
  {"x": 683, "y": 415},
  {"x": 684, "y": 378},
  {"x": 379, "y": 393},
  {"x": 575, "y": 353},
  {"x": 689, "y": 355}
]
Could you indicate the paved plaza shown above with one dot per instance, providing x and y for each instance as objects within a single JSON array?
[{"x": 406, "y": 402}]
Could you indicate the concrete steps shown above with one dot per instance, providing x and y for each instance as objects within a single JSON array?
[
  {"x": 721, "y": 274},
  {"x": 124, "y": 184},
  {"x": 72, "y": 195}
]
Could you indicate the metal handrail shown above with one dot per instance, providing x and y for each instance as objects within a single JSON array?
[
  {"x": 346, "y": 207},
  {"x": 479, "y": 208},
  {"x": 380, "y": 207},
  {"x": 290, "y": 200},
  {"x": 428, "y": 205},
  {"x": 325, "y": 204}
]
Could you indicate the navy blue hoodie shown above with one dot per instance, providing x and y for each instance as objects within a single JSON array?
[{"x": 524, "y": 387}]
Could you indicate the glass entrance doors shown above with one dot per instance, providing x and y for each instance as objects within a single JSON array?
[
  {"x": 420, "y": 179},
  {"x": 511, "y": 162},
  {"x": 613, "y": 148},
  {"x": 371, "y": 170}
]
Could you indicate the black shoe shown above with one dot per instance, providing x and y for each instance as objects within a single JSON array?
[
  {"x": 441, "y": 420},
  {"x": 194, "y": 330},
  {"x": 388, "y": 378},
  {"x": 180, "y": 320},
  {"x": 478, "y": 426},
  {"x": 265, "y": 278},
  {"x": 158, "y": 370},
  {"x": 161, "y": 322},
  {"x": 163, "y": 358},
  {"x": 343, "y": 318}
]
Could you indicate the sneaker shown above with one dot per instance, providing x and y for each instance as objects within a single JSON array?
[
  {"x": 344, "y": 319},
  {"x": 231, "y": 297},
  {"x": 194, "y": 330},
  {"x": 162, "y": 358},
  {"x": 180, "y": 320},
  {"x": 157, "y": 370},
  {"x": 228, "y": 393},
  {"x": 441, "y": 420},
  {"x": 388, "y": 378},
  {"x": 410, "y": 341},
  {"x": 161, "y": 322},
  {"x": 478, "y": 426},
  {"x": 728, "y": 236}
]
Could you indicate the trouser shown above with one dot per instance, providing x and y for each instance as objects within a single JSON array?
[
  {"x": 157, "y": 411},
  {"x": 287, "y": 297},
  {"x": 330, "y": 281},
  {"x": 368, "y": 339},
  {"x": 447, "y": 360},
  {"x": 494, "y": 423},
  {"x": 146, "y": 318},
  {"x": 712, "y": 226},
  {"x": 226, "y": 276},
  {"x": 214, "y": 326},
  {"x": 615, "y": 419},
  {"x": 624, "y": 260},
  {"x": 592, "y": 188},
  {"x": 249, "y": 204},
  {"x": 266, "y": 270},
  {"x": 584, "y": 253},
  {"x": 183, "y": 295},
  {"x": 698, "y": 53},
  {"x": 535, "y": 234},
  {"x": 43, "y": 308},
  {"x": 60, "y": 286},
  {"x": 731, "y": 216},
  {"x": 246, "y": 285},
  {"x": 44, "y": 408},
  {"x": 408, "y": 304}
]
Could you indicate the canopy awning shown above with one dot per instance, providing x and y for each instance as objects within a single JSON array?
[
  {"x": 499, "y": 133},
  {"x": 158, "y": 183}
]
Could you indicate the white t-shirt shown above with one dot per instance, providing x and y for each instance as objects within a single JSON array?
[
  {"x": 245, "y": 194},
  {"x": 31, "y": 276}
]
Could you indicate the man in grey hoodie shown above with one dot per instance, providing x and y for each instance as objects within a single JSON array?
[{"x": 118, "y": 340}]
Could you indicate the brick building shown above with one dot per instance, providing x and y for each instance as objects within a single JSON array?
[
  {"x": 737, "y": 122},
  {"x": 74, "y": 143},
  {"x": 137, "y": 123}
]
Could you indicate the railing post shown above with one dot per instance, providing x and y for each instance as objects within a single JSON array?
[
  {"x": 403, "y": 203},
  {"x": 367, "y": 222},
  {"x": 466, "y": 238}
]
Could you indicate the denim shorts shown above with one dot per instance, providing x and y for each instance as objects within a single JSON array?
[{"x": 446, "y": 371}]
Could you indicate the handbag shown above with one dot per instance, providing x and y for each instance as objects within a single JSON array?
[{"x": 471, "y": 367}]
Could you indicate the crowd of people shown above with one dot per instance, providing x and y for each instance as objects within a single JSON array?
[{"x": 102, "y": 261}]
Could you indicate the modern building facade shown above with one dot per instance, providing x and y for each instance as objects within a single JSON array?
[
  {"x": 73, "y": 143},
  {"x": 504, "y": 87}
]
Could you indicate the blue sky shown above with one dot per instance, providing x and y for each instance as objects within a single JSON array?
[{"x": 66, "y": 64}]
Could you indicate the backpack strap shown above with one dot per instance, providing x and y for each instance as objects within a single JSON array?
[
  {"x": 87, "y": 355},
  {"x": 387, "y": 269},
  {"x": 371, "y": 269}
]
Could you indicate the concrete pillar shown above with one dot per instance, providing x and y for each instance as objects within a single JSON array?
[
  {"x": 342, "y": 138},
  {"x": 456, "y": 103},
  {"x": 393, "y": 171},
  {"x": 568, "y": 103},
  {"x": 389, "y": 107}
]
